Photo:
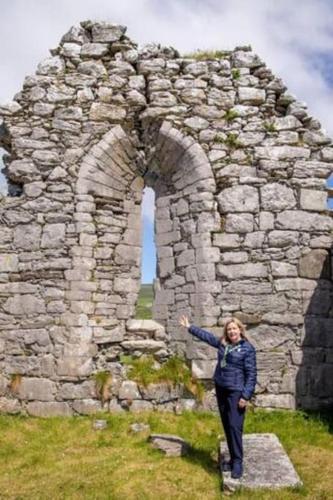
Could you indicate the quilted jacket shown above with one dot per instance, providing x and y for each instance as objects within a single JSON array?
[{"x": 238, "y": 371}]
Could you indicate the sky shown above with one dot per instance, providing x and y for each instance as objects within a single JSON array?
[{"x": 294, "y": 38}]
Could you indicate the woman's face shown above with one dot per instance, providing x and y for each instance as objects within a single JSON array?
[{"x": 233, "y": 333}]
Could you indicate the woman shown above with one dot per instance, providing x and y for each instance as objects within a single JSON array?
[{"x": 235, "y": 379}]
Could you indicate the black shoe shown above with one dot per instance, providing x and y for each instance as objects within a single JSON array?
[
  {"x": 237, "y": 470},
  {"x": 227, "y": 466}
]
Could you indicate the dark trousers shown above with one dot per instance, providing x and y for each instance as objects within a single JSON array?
[{"x": 232, "y": 419}]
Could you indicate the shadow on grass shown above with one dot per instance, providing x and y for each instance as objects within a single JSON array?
[
  {"x": 203, "y": 458},
  {"x": 323, "y": 416}
]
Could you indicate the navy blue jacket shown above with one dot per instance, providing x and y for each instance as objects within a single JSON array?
[{"x": 240, "y": 372}]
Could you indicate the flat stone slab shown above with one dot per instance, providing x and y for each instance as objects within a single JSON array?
[
  {"x": 172, "y": 446},
  {"x": 266, "y": 464}
]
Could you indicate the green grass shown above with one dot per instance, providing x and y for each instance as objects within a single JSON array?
[
  {"x": 145, "y": 302},
  {"x": 174, "y": 371},
  {"x": 61, "y": 458}
]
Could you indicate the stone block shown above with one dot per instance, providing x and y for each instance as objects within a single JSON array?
[
  {"x": 172, "y": 446},
  {"x": 314, "y": 200},
  {"x": 84, "y": 390},
  {"x": 108, "y": 112},
  {"x": 203, "y": 368},
  {"x": 52, "y": 409},
  {"x": 24, "y": 305},
  {"x": 239, "y": 223},
  {"x": 226, "y": 241},
  {"x": 239, "y": 199},
  {"x": 108, "y": 335},
  {"x": 53, "y": 236},
  {"x": 276, "y": 197},
  {"x": 11, "y": 406},
  {"x": 315, "y": 264},
  {"x": 129, "y": 390},
  {"x": 239, "y": 271},
  {"x": 264, "y": 453},
  {"x": 36, "y": 389},
  {"x": 87, "y": 406},
  {"x": 74, "y": 366},
  {"x": 8, "y": 262},
  {"x": 251, "y": 95},
  {"x": 161, "y": 392}
]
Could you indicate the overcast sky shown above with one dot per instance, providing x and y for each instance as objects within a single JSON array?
[{"x": 294, "y": 38}]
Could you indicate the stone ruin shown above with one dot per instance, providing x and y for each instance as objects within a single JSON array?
[{"x": 239, "y": 170}]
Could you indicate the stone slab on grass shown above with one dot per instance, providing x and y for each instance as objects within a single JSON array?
[
  {"x": 172, "y": 446},
  {"x": 266, "y": 464}
]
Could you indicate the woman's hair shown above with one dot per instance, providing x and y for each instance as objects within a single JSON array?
[{"x": 240, "y": 325}]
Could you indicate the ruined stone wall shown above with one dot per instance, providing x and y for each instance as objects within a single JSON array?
[{"x": 239, "y": 170}]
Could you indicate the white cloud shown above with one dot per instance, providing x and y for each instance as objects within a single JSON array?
[
  {"x": 289, "y": 36},
  {"x": 148, "y": 204}
]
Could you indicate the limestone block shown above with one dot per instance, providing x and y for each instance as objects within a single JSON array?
[
  {"x": 254, "y": 240},
  {"x": 203, "y": 369},
  {"x": 269, "y": 337},
  {"x": 275, "y": 401},
  {"x": 193, "y": 96},
  {"x": 327, "y": 154},
  {"x": 164, "y": 297},
  {"x": 303, "y": 221},
  {"x": 71, "y": 50},
  {"x": 139, "y": 406},
  {"x": 276, "y": 196},
  {"x": 94, "y": 49},
  {"x": 239, "y": 271},
  {"x": 282, "y": 153},
  {"x": 144, "y": 346},
  {"x": 103, "y": 111},
  {"x": 221, "y": 98},
  {"x": 246, "y": 59},
  {"x": 234, "y": 257},
  {"x": 288, "y": 122},
  {"x": 207, "y": 255},
  {"x": 51, "y": 66},
  {"x": 53, "y": 236},
  {"x": 312, "y": 199},
  {"x": 8, "y": 262},
  {"x": 239, "y": 223},
  {"x": 52, "y": 409},
  {"x": 129, "y": 390},
  {"x": 104, "y": 335},
  {"x": 87, "y": 406},
  {"x": 172, "y": 446},
  {"x": 84, "y": 390},
  {"x": 186, "y": 258},
  {"x": 283, "y": 269},
  {"x": 127, "y": 285},
  {"x": 196, "y": 68},
  {"x": 282, "y": 238},
  {"x": 36, "y": 389},
  {"x": 8, "y": 405},
  {"x": 74, "y": 366},
  {"x": 155, "y": 65},
  {"x": 57, "y": 94},
  {"x": 107, "y": 32},
  {"x": 125, "y": 254},
  {"x": 22, "y": 305},
  {"x": 251, "y": 95},
  {"x": 166, "y": 266},
  {"x": 196, "y": 123},
  {"x": 226, "y": 241},
  {"x": 315, "y": 264},
  {"x": 23, "y": 171},
  {"x": 239, "y": 199},
  {"x": 161, "y": 392},
  {"x": 163, "y": 99},
  {"x": 266, "y": 221},
  {"x": 10, "y": 108}
]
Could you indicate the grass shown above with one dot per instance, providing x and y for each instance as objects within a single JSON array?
[
  {"x": 66, "y": 459},
  {"x": 206, "y": 55},
  {"x": 145, "y": 302},
  {"x": 174, "y": 371}
]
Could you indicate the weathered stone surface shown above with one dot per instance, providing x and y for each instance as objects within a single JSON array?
[
  {"x": 107, "y": 32},
  {"x": 315, "y": 264},
  {"x": 87, "y": 406},
  {"x": 276, "y": 197},
  {"x": 36, "y": 389},
  {"x": 264, "y": 453},
  {"x": 129, "y": 390},
  {"x": 52, "y": 409},
  {"x": 239, "y": 199},
  {"x": 172, "y": 446}
]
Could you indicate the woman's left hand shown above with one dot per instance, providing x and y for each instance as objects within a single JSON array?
[{"x": 242, "y": 403}]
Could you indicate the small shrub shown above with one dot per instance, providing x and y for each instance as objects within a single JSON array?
[
  {"x": 206, "y": 55},
  {"x": 232, "y": 141},
  {"x": 235, "y": 73},
  {"x": 230, "y": 115},
  {"x": 103, "y": 382},
  {"x": 269, "y": 127},
  {"x": 174, "y": 372},
  {"x": 15, "y": 382}
]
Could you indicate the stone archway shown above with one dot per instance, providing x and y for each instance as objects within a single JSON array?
[{"x": 240, "y": 221}]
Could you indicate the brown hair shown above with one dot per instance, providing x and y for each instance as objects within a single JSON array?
[{"x": 241, "y": 326}]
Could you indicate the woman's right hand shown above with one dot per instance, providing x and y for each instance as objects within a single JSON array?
[{"x": 183, "y": 321}]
